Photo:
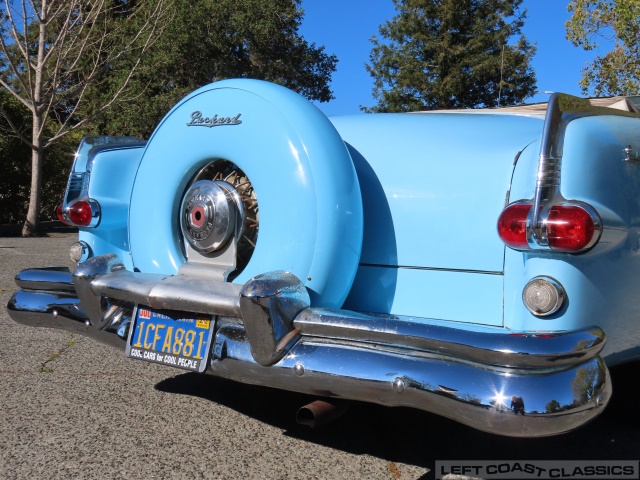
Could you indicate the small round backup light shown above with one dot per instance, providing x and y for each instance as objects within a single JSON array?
[
  {"x": 543, "y": 296},
  {"x": 79, "y": 251}
]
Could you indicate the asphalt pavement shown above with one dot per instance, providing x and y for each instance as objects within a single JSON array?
[{"x": 73, "y": 408}]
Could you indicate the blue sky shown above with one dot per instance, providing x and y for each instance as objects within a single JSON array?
[{"x": 345, "y": 26}]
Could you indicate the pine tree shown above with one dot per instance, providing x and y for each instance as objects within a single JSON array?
[{"x": 440, "y": 54}]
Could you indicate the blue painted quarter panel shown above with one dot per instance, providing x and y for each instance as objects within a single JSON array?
[
  {"x": 433, "y": 186},
  {"x": 443, "y": 178},
  {"x": 112, "y": 174}
]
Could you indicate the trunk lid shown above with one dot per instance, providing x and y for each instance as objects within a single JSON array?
[{"x": 433, "y": 186}]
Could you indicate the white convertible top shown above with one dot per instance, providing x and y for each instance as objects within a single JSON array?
[{"x": 628, "y": 104}]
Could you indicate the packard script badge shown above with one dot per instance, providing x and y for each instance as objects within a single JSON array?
[{"x": 197, "y": 120}]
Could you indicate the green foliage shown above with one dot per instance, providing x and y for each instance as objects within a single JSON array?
[
  {"x": 15, "y": 165},
  {"x": 585, "y": 384},
  {"x": 99, "y": 56},
  {"x": 208, "y": 40},
  {"x": 437, "y": 54},
  {"x": 617, "y": 72},
  {"x": 553, "y": 406},
  {"x": 51, "y": 54},
  {"x": 14, "y": 162}
]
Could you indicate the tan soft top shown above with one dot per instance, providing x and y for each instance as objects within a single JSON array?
[{"x": 628, "y": 104}]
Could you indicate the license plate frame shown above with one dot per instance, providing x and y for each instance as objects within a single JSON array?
[{"x": 154, "y": 336}]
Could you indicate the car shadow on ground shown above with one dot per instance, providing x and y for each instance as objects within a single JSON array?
[{"x": 418, "y": 438}]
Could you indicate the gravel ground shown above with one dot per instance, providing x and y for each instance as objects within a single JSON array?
[{"x": 72, "y": 408}]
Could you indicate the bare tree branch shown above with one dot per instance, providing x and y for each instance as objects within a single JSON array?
[
  {"x": 22, "y": 100},
  {"x": 17, "y": 131},
  {"x": 10, "y": 58},
  {"x": 54, "y": 52}
]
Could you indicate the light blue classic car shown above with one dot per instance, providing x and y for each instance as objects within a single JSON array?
[{"x": 467, "y": 263}]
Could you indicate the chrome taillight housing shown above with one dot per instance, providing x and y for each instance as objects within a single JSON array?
[
  {"x": 78, "y": 207},
  {"x": 567, "y": 227},
  {"x": 548, "y": 221},
  {"x": 80, "y": 213}
]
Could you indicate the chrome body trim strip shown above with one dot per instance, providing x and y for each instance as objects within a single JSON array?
[{"x": 433, "y": 269}]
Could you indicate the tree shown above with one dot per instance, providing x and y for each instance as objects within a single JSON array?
[
  {"x": 211, "y": 40},
  {"x": 587, "y": 381},
  {"x": 51, "y": 53},
  {"x": 618, "y": 71},
  {"x": 438, "y": 54},
  {"x": 14, "y": 179},
  {"x": 553, "y": 406}
]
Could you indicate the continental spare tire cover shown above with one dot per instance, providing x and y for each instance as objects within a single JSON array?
[{"x": 310, "y": 210}]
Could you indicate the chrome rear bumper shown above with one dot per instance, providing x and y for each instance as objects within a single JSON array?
[{"x": 267, "y": 335}]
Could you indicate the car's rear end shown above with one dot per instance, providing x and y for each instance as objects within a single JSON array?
[{"x": 363, "y": 259}]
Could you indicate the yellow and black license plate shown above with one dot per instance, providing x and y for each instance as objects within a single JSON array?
[{"x": 177, "y": 339}]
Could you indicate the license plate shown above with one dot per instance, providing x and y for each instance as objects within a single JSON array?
[{"x": 168, "y": 337}]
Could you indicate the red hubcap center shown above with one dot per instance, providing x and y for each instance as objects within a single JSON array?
[{"x": 197, "y": 216}]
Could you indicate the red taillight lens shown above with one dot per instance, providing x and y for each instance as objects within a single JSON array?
[
  {"x": 569, "y": 228},
  {"x": 60, "y": 215},
  {"x": 512, "y": 225},
  {"x": 80, "y": 213}
]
